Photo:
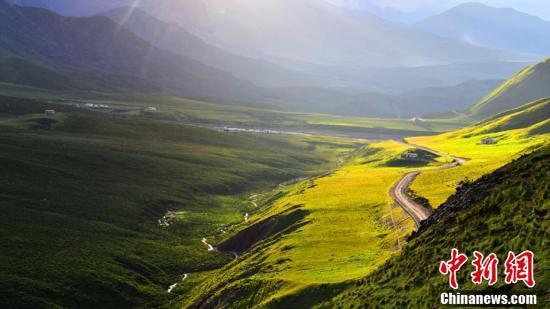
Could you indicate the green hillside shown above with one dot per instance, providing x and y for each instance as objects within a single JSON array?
[
  {"x": 341, "y": 227},
  {"x": 531, "y": 84},
  {"x": 83, "y": 192},
  {"x": 487, "y": 145},
  {"x": 507, "y": 210}
]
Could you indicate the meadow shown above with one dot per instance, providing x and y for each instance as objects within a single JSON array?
[
  {"x": 508, "y": 139},
  {"x": 82, "y": 195},
  {"x": 345, "y": 226}
]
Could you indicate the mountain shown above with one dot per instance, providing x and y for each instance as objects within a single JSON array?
[
  {"x": 75, "y": 7},
  {"x": 308, "y": 31},
  {"x": 302, "y": 43},
  {"x": 531, "y": 84},
  {"x": 174, "y": 38},
  {"x": 291, "y": 32},
  {"x": 98, "y": 46},
  {"x": 385, "y": 12},
  {"x": 482, "y": 25}
]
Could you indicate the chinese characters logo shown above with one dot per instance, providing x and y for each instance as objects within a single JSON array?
[{"x": 516, "y": 268}]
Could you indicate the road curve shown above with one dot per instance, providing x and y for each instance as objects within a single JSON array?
[
  {"x": 400, "y": 196},
  {"x": 399, "y": 191}
]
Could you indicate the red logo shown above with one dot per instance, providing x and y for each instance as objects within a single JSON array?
[
  {"x": 485, "y": 269},
  {"x": 452, "y": 266},
  {"x": 520, "y": 268},
  {"x": 517, "y": 268}
]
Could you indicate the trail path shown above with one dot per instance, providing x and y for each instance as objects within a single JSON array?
[{"x": 173, "y": 286}]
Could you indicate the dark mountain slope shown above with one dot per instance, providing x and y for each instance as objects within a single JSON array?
[
  {"x": 15, "y": 70},
  {"x": 483, "y": 25},
  {"x": 531, "y": 84},
  {"x": 502, "y": 211},
  {"x": 97, "y": 44}
]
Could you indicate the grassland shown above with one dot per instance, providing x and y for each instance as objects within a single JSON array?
[
  {"x": 511, "y": 134},
  {"x": 81, "y": 198},
  {"x": 345, "y": 226},
  {"x": 507, "y": 210},
  {"x": 178, "y": 109}
]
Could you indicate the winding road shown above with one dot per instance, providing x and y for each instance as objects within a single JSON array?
[{"x": 399, "y": 191}]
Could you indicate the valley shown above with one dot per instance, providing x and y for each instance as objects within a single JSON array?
[
  {"x": 269, "y": 154},
  {"x": 328, "y": 208}
]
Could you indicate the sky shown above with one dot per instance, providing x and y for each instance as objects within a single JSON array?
[{"x": 539, "y": 8}]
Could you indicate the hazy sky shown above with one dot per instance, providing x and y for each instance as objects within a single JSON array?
[{"x": 540, "y": 8}]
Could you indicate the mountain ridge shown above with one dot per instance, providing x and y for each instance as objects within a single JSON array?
[
  {"x": 530, "y": 84},
  {"x": 483, "y": 25}
]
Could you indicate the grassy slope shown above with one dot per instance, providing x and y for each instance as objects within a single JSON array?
[
  {"x": 513, "y": 131},
  {"x": 350, "y": 228},
  {"x": 81, "y": 200},
  {"x": 528, "y": 85},
  {"x": 507, "y": 210}
]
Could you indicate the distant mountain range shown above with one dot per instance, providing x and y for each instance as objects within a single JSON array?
[
  {"x": 503, "y": 28},
  {"x": 378, "y": 9},
  {"x": 304, "y": 43},
  {"x": 305, "y": 56},
  {"x": 174, "y": 38},
  {"x": 298, "y": 32}
]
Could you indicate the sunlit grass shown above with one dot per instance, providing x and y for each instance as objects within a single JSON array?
[
  {"x": 436, "y": 186},
  {"x": 352, "y": 226}
]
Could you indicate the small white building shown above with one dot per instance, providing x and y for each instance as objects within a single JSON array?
[
  {"x": 417, "y": 119},
  {"x": 410, "y": 155},
  {"x": 150, "y": 109},
  {"x": 49, "y": 112}
]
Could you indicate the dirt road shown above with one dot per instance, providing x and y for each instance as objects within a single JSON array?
[{"x": 399, "y": 190}]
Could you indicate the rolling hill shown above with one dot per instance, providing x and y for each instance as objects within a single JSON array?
[
  {"x": 482, "y": 25},
  {"x": 531, "y": 84}
]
